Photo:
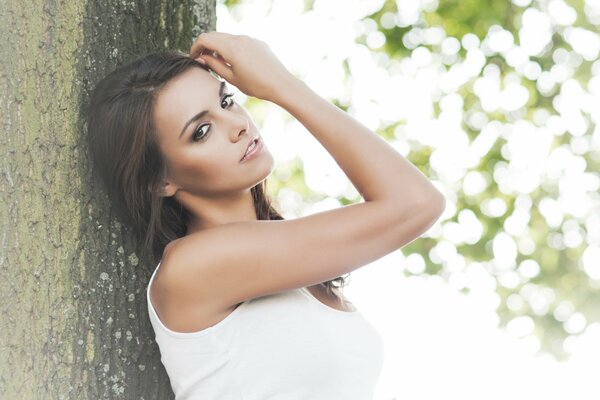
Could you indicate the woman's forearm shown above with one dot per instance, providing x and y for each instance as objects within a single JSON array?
[{"x": 377, "y": 170}]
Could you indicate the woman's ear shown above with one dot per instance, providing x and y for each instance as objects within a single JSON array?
[{"x": 165, "y": 189}]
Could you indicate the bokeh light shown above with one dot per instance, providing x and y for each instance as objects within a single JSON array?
[{"x": 499, "y": 104}]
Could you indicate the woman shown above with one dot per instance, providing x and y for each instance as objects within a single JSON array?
[{"x": 242, "y": 302}]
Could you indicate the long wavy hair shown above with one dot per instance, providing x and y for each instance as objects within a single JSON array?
[{"x": 121, "y": 138}]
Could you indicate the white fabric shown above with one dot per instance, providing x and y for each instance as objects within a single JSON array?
[{"x": 284, "y": 346}]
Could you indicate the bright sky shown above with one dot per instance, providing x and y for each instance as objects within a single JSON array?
[{"x": 441, "y": 343}]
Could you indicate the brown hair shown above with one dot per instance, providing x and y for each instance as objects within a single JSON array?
[{"x": 122, "y": 142}]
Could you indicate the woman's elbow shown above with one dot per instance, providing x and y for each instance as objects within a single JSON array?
[{"x": 434, "y": 204}]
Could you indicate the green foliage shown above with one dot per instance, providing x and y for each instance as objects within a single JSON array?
[
  {"x": 308, "y": 4},
  {"x": 561, "y": 278},
  {"x": 459, "y": 17},
  {"x": 231, "y": 3},
  {"x": 560, "y": 266}
]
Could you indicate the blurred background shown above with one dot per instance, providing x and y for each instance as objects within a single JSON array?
[{"x": 497, "y": 102}]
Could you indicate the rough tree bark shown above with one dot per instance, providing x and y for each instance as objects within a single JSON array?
[{"x": 73, "y": 313}]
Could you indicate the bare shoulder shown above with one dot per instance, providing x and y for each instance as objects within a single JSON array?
[
  {"x": 181, "y": 306},
  {"x": 177, "y": 265},
  {"x": 215, "y": 269}
]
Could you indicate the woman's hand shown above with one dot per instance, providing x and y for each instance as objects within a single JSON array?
[{"x": 245, "y": 62}]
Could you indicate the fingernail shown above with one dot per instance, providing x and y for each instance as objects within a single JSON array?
[{"x": 201, "y": 60}]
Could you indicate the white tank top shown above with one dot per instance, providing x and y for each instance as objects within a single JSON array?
[{"x": 284, "y": 346}]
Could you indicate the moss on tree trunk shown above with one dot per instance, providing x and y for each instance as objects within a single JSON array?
[{"x": 73, "y": 312}]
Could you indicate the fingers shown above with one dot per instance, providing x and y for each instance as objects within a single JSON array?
[
  {"x": 211, "y": 41},
  {"x": 217, "y": 64}
]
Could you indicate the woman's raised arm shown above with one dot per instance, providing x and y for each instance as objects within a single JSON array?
[{"x": 216, "y": 268}]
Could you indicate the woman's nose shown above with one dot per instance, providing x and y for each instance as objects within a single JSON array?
[{"x": 240, "y": 125}]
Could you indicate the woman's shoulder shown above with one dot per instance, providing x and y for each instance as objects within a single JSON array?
[
  {"x": 170, "y": 263},
  {"x": 178, "y": 297},
  {"x": 175, "y": 247}
]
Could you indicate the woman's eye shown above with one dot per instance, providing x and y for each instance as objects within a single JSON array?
[
  {"x": 199, "y": 133},
  {"x": 225, "y": 98}
]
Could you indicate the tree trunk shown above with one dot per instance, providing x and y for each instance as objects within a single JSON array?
[{"x": 73, "y": 311}]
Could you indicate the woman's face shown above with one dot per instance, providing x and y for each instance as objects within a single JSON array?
[{"x": 203, "y": 156}]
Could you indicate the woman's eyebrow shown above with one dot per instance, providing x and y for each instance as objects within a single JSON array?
[{"x": 201, "y": 113}]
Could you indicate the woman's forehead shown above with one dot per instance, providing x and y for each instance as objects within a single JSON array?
[
  {"x": 195, "y": 77},
  {"x": 187, "y": 95}
]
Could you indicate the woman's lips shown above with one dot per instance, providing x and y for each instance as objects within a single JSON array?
[{"x": 257, "y": 148}]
